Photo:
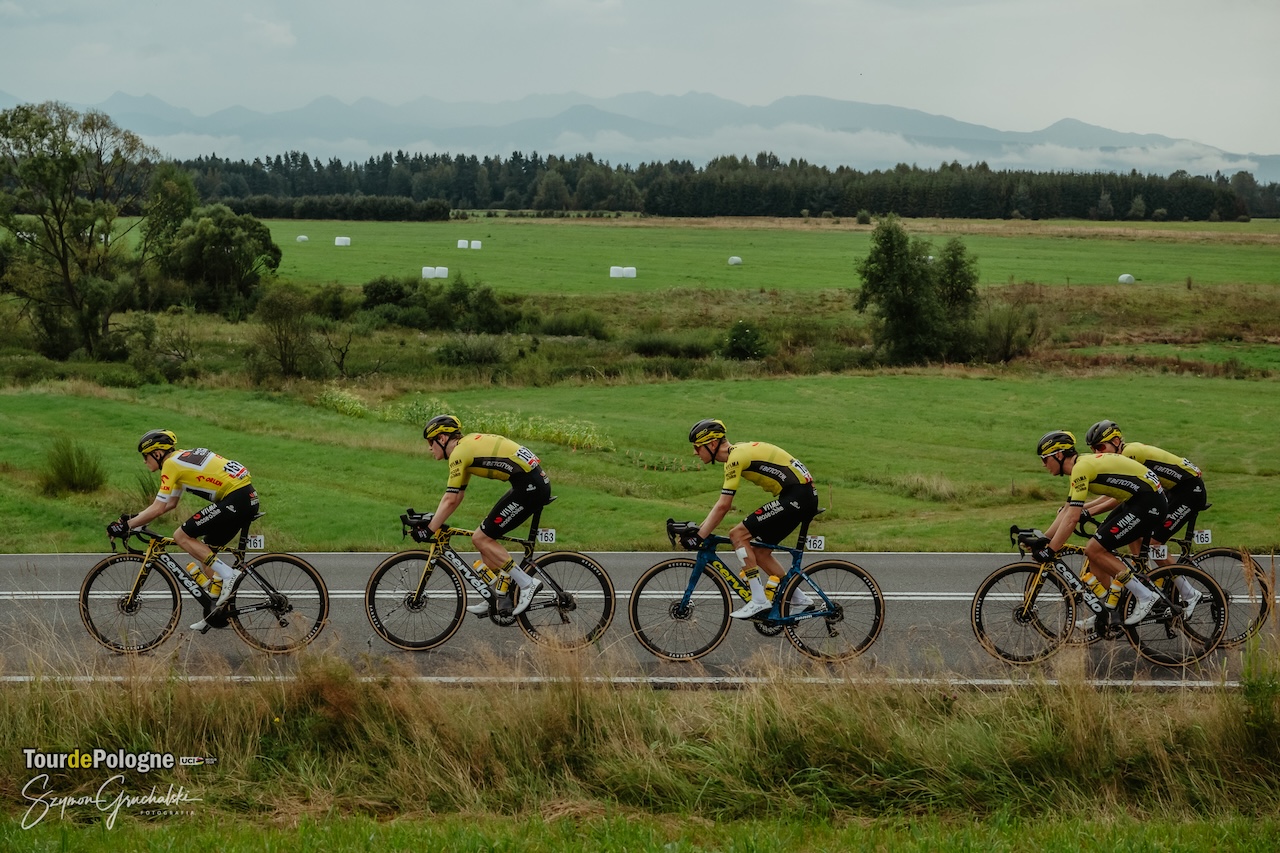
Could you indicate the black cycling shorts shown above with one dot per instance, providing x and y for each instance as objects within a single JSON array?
[
  {"x": 220, "y": 521},
  {"x": 1185, "y": 500},
  {"x": 511, "y": 510},
  {"x": 774, "y": 521},
  {"x": 1135, "y": 519}
]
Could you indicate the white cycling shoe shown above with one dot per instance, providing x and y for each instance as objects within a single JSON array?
[
  {"x": 751, "y": 608},
  {"x": 1189, "y": 605},
  {"x": 525, "y": 597},
  {"x": 1141, "y": 608}
]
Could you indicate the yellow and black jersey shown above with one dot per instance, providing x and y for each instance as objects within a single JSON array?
[
  {"x": 202, "y": 473},
  {"x": 491, "y": 456},
  {"x": 1109, "y": 474},
  {"x": 771, "y": 468},
  {"x": 1172, "y": 470}
]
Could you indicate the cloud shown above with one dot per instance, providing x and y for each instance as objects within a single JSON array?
[{"x": 270, "y": 33}]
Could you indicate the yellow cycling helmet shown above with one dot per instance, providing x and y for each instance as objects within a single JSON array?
[
  {"x": 157, "y": 439},
  {"x": 706, "y": 431},
  {"x": 1101, "y": 433},
  {"x": 1053, "y": 441},
  {"x": 442, "y": 425}
]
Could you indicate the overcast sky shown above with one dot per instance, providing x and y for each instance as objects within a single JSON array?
[{"x": 1206, "y": 70}]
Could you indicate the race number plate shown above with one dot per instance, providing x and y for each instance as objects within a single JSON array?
[
  {"x": 547, "y": 535},
  {"x": 256, "y": 543},
  {"x": 815, "y": 543},
  {"x": 1203, "y": 537}
]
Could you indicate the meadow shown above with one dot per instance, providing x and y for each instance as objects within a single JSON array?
[
  {"x": 573, "y": 256},
  {"x": 905, "y": 460}
]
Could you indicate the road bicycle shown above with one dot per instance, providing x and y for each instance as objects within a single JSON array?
[
  {"x": 1026, "y": 611},
  {"x": 132, "y": 602},
  {"x": 1247, "y": 588},
  {"x": 679, "y": 608},
  {"x": 416, "y": 600}
]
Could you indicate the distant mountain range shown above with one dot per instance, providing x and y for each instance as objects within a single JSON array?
[{"x": 643, "y": 127}]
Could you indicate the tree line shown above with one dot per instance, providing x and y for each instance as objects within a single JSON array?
[{"x": 428, "y": 186}]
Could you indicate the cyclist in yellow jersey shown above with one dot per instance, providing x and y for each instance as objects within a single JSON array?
[
  {"x": 795, "y": 500},
  {"x": 1141, "y": 508},
  {"x": 496, "y": 458},
  {"x": 233, "y": 502},
  {"x": 1181, "y": 479}
]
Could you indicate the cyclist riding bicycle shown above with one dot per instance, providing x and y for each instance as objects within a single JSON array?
[
  {"x": 795, "y": 500},
  {"x": 1182, "y": 481},
  {"x": 497, "y": 458},
  {"x": 233, "y": 503},
  {"x": 1141, "y": 508}
]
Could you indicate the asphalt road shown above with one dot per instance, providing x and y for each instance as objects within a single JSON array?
[{"x": 926, "y": 634}]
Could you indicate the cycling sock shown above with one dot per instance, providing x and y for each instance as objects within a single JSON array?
[
  {"x": 222, "y": 570},
  {"x": 1135, "y": 586},
  {"x": 1185, "y": 589},
  {"x": 757, "y": 588},
  {"x": 800, "y": 598},
  {"x": 521, "y": 577}
]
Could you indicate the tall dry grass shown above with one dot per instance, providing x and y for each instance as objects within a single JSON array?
[{"x": 328, "y": 740}]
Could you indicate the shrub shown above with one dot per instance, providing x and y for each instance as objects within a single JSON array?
[
  {"x": 655, "y": 345},
  {"x": 69, "y": 467},
  {"x": 1005, "y": 331},
  {"x": 864, "y": 217},
  {"x": 580, "y": 324},
  {"x": 745, "y": 343},
  {"x": 471, "y": 350}
]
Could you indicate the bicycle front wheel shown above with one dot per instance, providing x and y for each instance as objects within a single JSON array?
[
  {"x": 125, "y": 623},
  {"x": 1246, "y": 586},
  {"x": 848, "y": 626},
  {"x": 1022, "y": 613},
  {"x": 284, "y": 610},
  {"x": 575, "y": 605},
  {"x": 671, "y": 628},
  {"x": 405, "y": 619},
  {"x": 1169, "y": 636}
]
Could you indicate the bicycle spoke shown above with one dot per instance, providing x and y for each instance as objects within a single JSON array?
[
  {"x": 286, "y": 610},
  {"x": 1020, "y": 617},
  {"x": 575, "y": 605},
  {"x": 408, "y": 621},
  {"x": 843, "y": 625},
  {"x": 125, "y": 623},
  {"x": 668, "y": 627}
]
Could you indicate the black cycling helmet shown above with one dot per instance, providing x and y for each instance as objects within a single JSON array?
[
  {"x": 442, "y": 425},
  {"x": 706, "y": 431},
  {"x": 1101, "y": 433},
  {"x": 1053, "y": 441},
  {"x": 157, "y": 439}
]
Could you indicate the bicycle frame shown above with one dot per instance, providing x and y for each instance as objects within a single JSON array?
[
  {"x": 445, "y": 551},
  {"x": 156, "y": 554},
  {"x": 707, "y": 557}
]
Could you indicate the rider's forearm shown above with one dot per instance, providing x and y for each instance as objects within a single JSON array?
[
  {"x": 717, "y": 514},
  {"x": 448, "y": 503},
  {"x": 158, "y": 508}
]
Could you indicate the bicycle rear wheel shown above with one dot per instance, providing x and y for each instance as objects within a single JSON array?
[
  {"x": 1168, "y": 636},
  {"x": 575, "y": 605},
  {"x": 122, "y": 624},
  {"x": 402, "y": 618},
  {"x": 286, "y": 610},
  {"x": 666, "y": 626},
  {"x": 847, "y": 627},
  {"x": 1247, "y": 589},
  {"x": 1022, "y": 613}
]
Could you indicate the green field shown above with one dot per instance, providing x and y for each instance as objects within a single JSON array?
[
  {"x": 905, "y": 460},
  {"x": 573, "y": 256}
]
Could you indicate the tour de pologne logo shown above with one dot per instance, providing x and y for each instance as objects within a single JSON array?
[{"x": 115, "y": 792}]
